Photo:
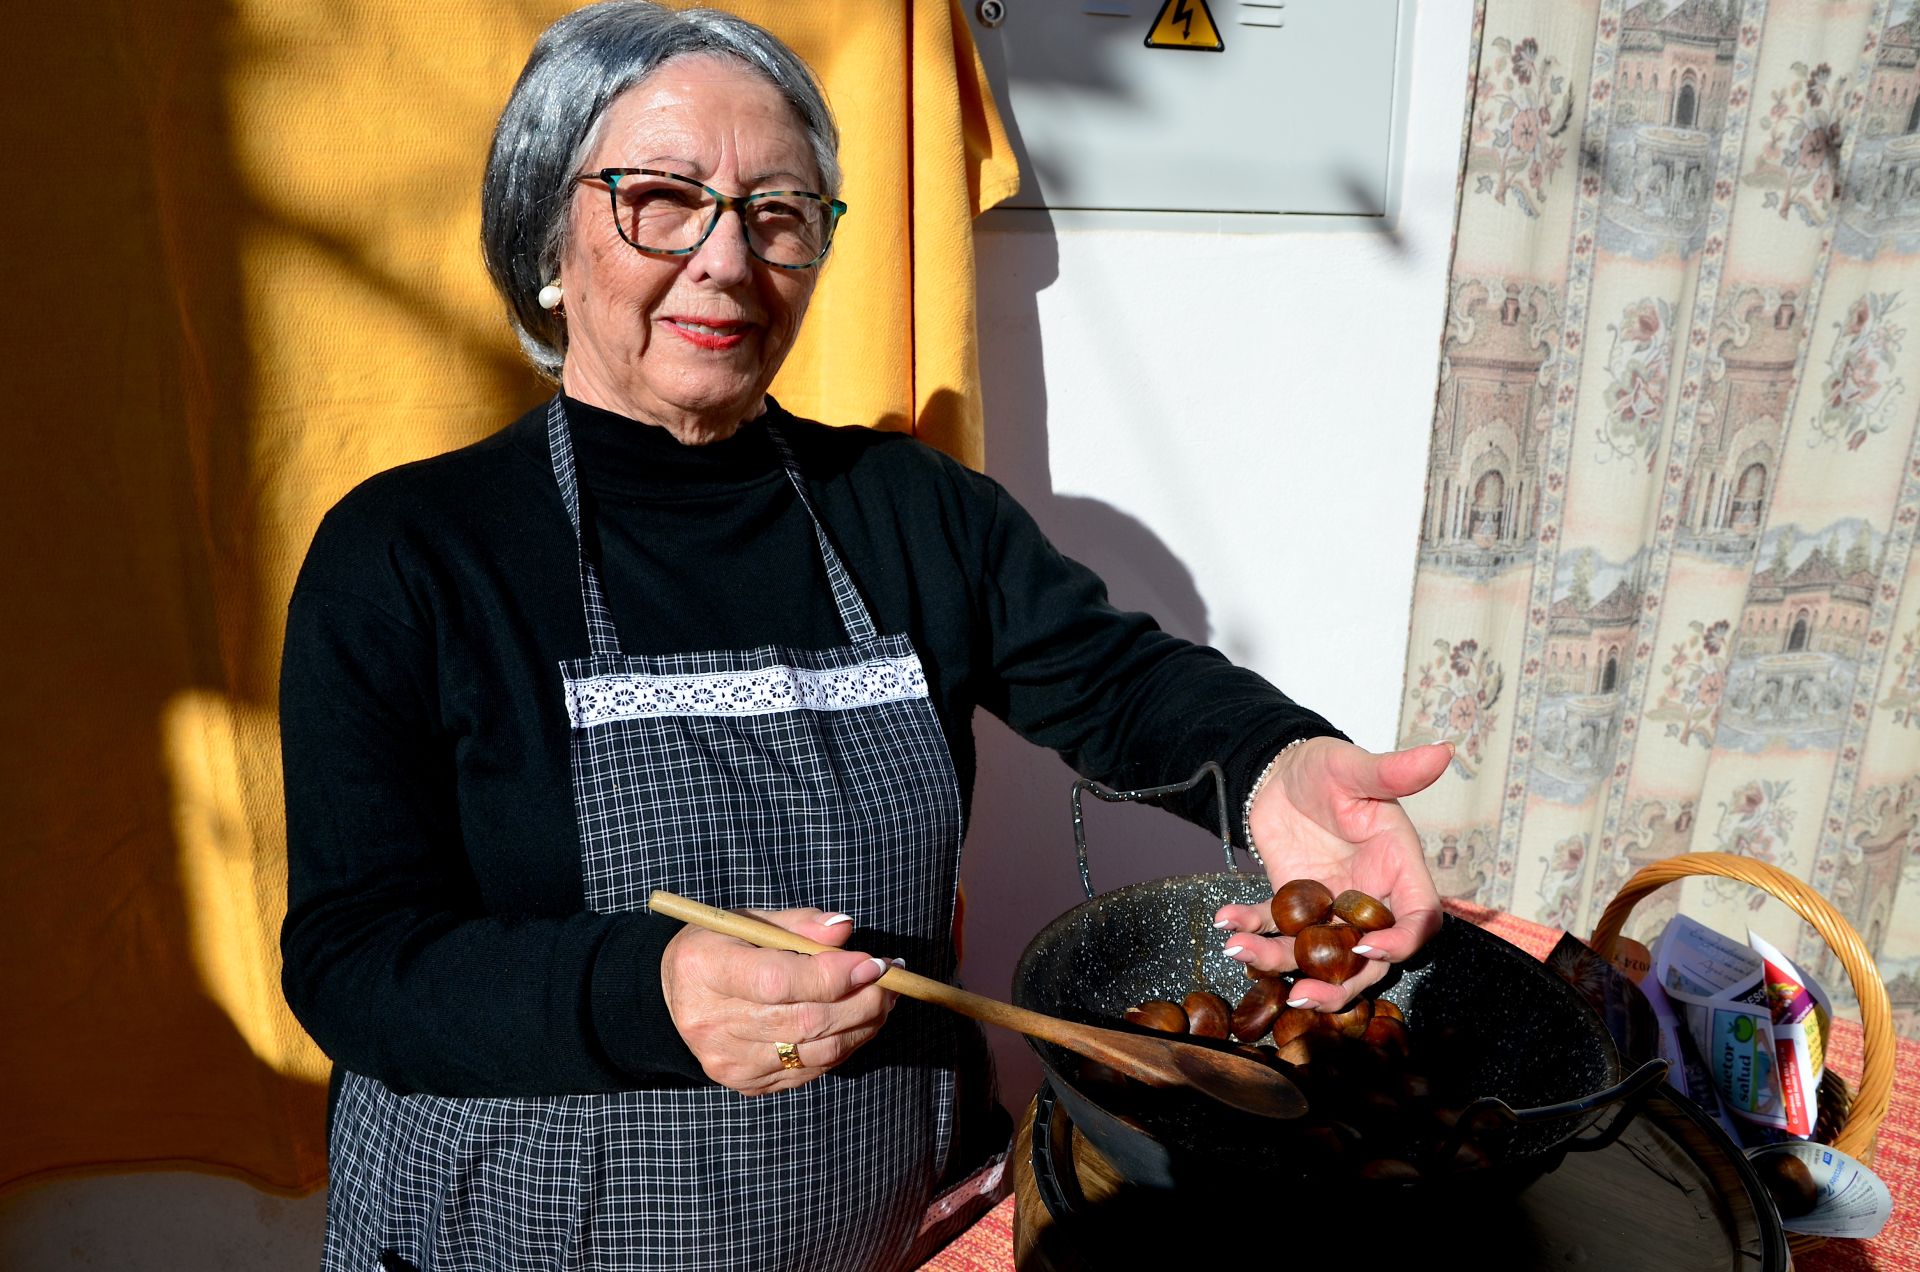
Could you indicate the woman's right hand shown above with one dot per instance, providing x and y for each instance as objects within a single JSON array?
[{"x": 732, "y": 1002}]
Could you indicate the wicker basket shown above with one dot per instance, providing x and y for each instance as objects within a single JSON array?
[{"x": 1858, "y": 1114}]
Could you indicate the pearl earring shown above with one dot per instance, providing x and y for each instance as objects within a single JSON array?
[{"x": 550, "y": 296}]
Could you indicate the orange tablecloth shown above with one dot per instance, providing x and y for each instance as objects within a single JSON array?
[{"x": 988, "y": 1245}]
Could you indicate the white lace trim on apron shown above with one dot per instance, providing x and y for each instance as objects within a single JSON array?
[{"x": 763, "y": 691}]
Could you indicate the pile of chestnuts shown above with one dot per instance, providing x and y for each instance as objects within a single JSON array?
[{"x": 1381, "y": 1104}]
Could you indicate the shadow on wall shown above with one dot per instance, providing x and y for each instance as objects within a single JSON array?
[{"x": 1019, "y": 869}]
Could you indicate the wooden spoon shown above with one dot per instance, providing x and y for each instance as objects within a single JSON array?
[{"x": 1235, "y": 1080}]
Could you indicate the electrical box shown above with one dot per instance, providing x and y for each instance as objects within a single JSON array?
[{"x": 1225, "y": 106}]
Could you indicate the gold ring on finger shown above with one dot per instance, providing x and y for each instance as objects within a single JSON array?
[{"x": 789, "y": 1053}]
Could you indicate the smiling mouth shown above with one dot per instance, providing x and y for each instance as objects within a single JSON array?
[{"x": 710, "y": 333}]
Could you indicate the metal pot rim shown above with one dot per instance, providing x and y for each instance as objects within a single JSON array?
[{"x": 1579, "y": 1114}]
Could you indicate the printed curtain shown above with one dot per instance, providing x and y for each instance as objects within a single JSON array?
[
  {"x": 1667, "y": 598},
  {"x": 244, "y": 252}
]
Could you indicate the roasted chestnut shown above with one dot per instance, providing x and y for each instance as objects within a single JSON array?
[
  {"x": 1330, "y": 1057},
  {"x": 1160, "y": 1016},
  {"x": 1466, "y": 1158},
  {"x": 1362, "y": 911},
  {"x": 1324, "y": 952},
  {"x": 1351, "y": 1020},
  {"x": 1301, "y": 903},
  {"x": 1325, "y": 1142},
  {"x": 1293, "y": 1022},
  {"x": 1387, "y": 1033},
  {"x": 1208, "y": 1015},
  {"x": 1789, "y": 1182},
  {"x": 1387, "y": 1007},
  {"x": 1257, "y": 1008}
]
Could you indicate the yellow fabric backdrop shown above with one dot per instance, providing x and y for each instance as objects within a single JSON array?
[{"x": 244, "y": 274}]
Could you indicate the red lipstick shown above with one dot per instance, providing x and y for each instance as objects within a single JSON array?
[{"x": 708, "y": 333}]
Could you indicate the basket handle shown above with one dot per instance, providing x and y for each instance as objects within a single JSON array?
[{"x": 1876, "y": 1016}]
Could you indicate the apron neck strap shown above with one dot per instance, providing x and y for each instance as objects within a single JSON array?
[{"x": 603, "y": 640}]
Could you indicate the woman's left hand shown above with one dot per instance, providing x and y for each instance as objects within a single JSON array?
[{"x": 1330, "y": 811}]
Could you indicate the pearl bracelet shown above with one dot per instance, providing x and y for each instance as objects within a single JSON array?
[{"x": 1260, "y": 784}]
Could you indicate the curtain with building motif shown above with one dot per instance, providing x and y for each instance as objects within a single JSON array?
[{"x": 1667, "y": 597}]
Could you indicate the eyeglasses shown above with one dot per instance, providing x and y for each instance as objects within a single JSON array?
[{"x": 666, "y": 214}]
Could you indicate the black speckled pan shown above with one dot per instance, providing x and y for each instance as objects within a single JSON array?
[{"x": 1528, "y": 1040}]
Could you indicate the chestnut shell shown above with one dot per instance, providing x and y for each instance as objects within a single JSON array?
[
  {"x": 1790, "y": 1183},
  {"x": 1208, "y": 1015},
  {"x": 1159, "y": 1015},
  {"x": 1352, "y": 1020},
  {"x": 1292, "y": 1023},
  {"x": 1324, "y": 952},
  {"x": 1300, "y": 903},
  {"x": 1362, "y": 911},
  {"x": 1257, "y": 1008}
]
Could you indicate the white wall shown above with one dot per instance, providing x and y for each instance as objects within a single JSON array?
[{"x": 1231, "y": 429}]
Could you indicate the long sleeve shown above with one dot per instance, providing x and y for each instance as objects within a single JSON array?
[
  {"x": 391, "y": 960},
  {"x": 1121, "y": 700},
  {"x": 438, "y": 936}
]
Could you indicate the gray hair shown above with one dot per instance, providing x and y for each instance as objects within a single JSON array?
[{"x": 550, "y": 124}]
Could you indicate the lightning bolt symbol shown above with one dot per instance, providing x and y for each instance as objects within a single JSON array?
[{"x": 1183, "y": 14}]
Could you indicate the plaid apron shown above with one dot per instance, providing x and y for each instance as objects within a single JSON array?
[{"x": 765, "y": 778}]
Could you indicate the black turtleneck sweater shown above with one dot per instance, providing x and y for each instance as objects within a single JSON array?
[{"x": 436, "y": 935}]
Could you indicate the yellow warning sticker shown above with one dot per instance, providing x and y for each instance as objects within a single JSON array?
[{"x": 1185, "y": 24}]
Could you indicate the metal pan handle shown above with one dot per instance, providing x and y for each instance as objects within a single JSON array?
[
  {"x": 1108, "y": 795},
  {"x": 1630, "y": 1093}
]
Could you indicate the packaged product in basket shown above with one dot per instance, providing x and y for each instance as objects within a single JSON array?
[
  {"x": 1688, "y": 1072},
  {"x": 1644, "y": 1024},
  {"x": 1757, "y": 1022},
  {"x": 1801, "y": 1018}
]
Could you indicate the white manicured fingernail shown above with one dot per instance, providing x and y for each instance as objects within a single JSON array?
[
  {"x": 834, "y": 920},
  {"x": 1364, "y": 949},
  {"x": 1299, "y": 1002},
  {"x": 1235, "y": 951},
  {"x": 1221, "y": 923},
  {"x": 899, "y": 962},
  {"x": 879, "y": 963}
]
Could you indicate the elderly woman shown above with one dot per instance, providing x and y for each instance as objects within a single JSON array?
[{"x": 659, "y": 633}]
